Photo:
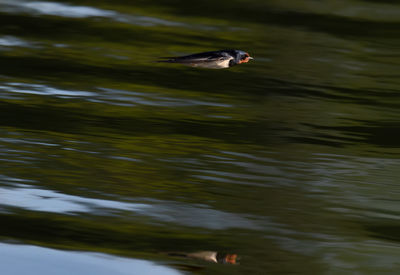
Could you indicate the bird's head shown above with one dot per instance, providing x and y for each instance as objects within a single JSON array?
[{"x": 243, "y": 57}]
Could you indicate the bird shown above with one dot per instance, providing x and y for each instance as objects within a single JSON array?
[
  {"x": 211, "y": 60},
  {"x": 209, "y": 256}
]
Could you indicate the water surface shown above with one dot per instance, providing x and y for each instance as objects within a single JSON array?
[{"x": 289, "y": 161}]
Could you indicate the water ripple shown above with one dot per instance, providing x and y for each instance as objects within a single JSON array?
[
  {"x": 39, "y": 89},
  {"x": 35, "y": 199},
  {"x": 12, "y": 41},
  {"x": 69, "y": 11},
  {"x": 109, "y": 96}
]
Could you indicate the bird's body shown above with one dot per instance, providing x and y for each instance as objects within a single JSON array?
[{"x": 212, "y": 60}]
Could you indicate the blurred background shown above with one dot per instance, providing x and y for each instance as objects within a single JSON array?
[{"x": 113, "y": 164}]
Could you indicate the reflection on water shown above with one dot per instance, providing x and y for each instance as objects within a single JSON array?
[
  {"x": 209, "y": 256},
  {"x": 28, "y": 197},
  {"x": 65, "y": 10},
  {"x": 290, "y": 162},
  {"x": 41, "y": 90},
  {"x": 11, "y": 41},
  {"x": 17, "y": 259},
  {"x": 56, "y": 9},
  {"x": 45, "y": 200}
]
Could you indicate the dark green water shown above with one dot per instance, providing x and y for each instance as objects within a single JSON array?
[{"x": 291, "y": 161}]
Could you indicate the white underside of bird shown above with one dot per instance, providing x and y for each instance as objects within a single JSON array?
[{"x": 223, "y": 63}]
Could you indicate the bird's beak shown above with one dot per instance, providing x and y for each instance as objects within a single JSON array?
[{"x": 250, "y": 58}]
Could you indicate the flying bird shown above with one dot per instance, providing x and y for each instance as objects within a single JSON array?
[{"x": 211, "y": 60}]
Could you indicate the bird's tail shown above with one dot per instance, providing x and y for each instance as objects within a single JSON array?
[{"x": 166, "y": 60}]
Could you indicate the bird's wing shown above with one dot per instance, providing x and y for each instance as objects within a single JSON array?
[
  {"x": 200, "y": 57},
  {"x": 204, "y": 57}
]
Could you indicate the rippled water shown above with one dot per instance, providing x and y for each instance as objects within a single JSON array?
[{"x": 113, "y": 164}]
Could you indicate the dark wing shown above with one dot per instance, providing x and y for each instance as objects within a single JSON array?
[{"x": 199, "y": 57}]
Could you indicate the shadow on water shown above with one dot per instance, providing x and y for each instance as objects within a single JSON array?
[
  {"x": 70, "y": 233},
  {"x": 385, "y": 232},
  {"x": 381, "y": 134}
]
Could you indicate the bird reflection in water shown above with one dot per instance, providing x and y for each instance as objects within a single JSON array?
[{"x": 209, "y": 256}]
